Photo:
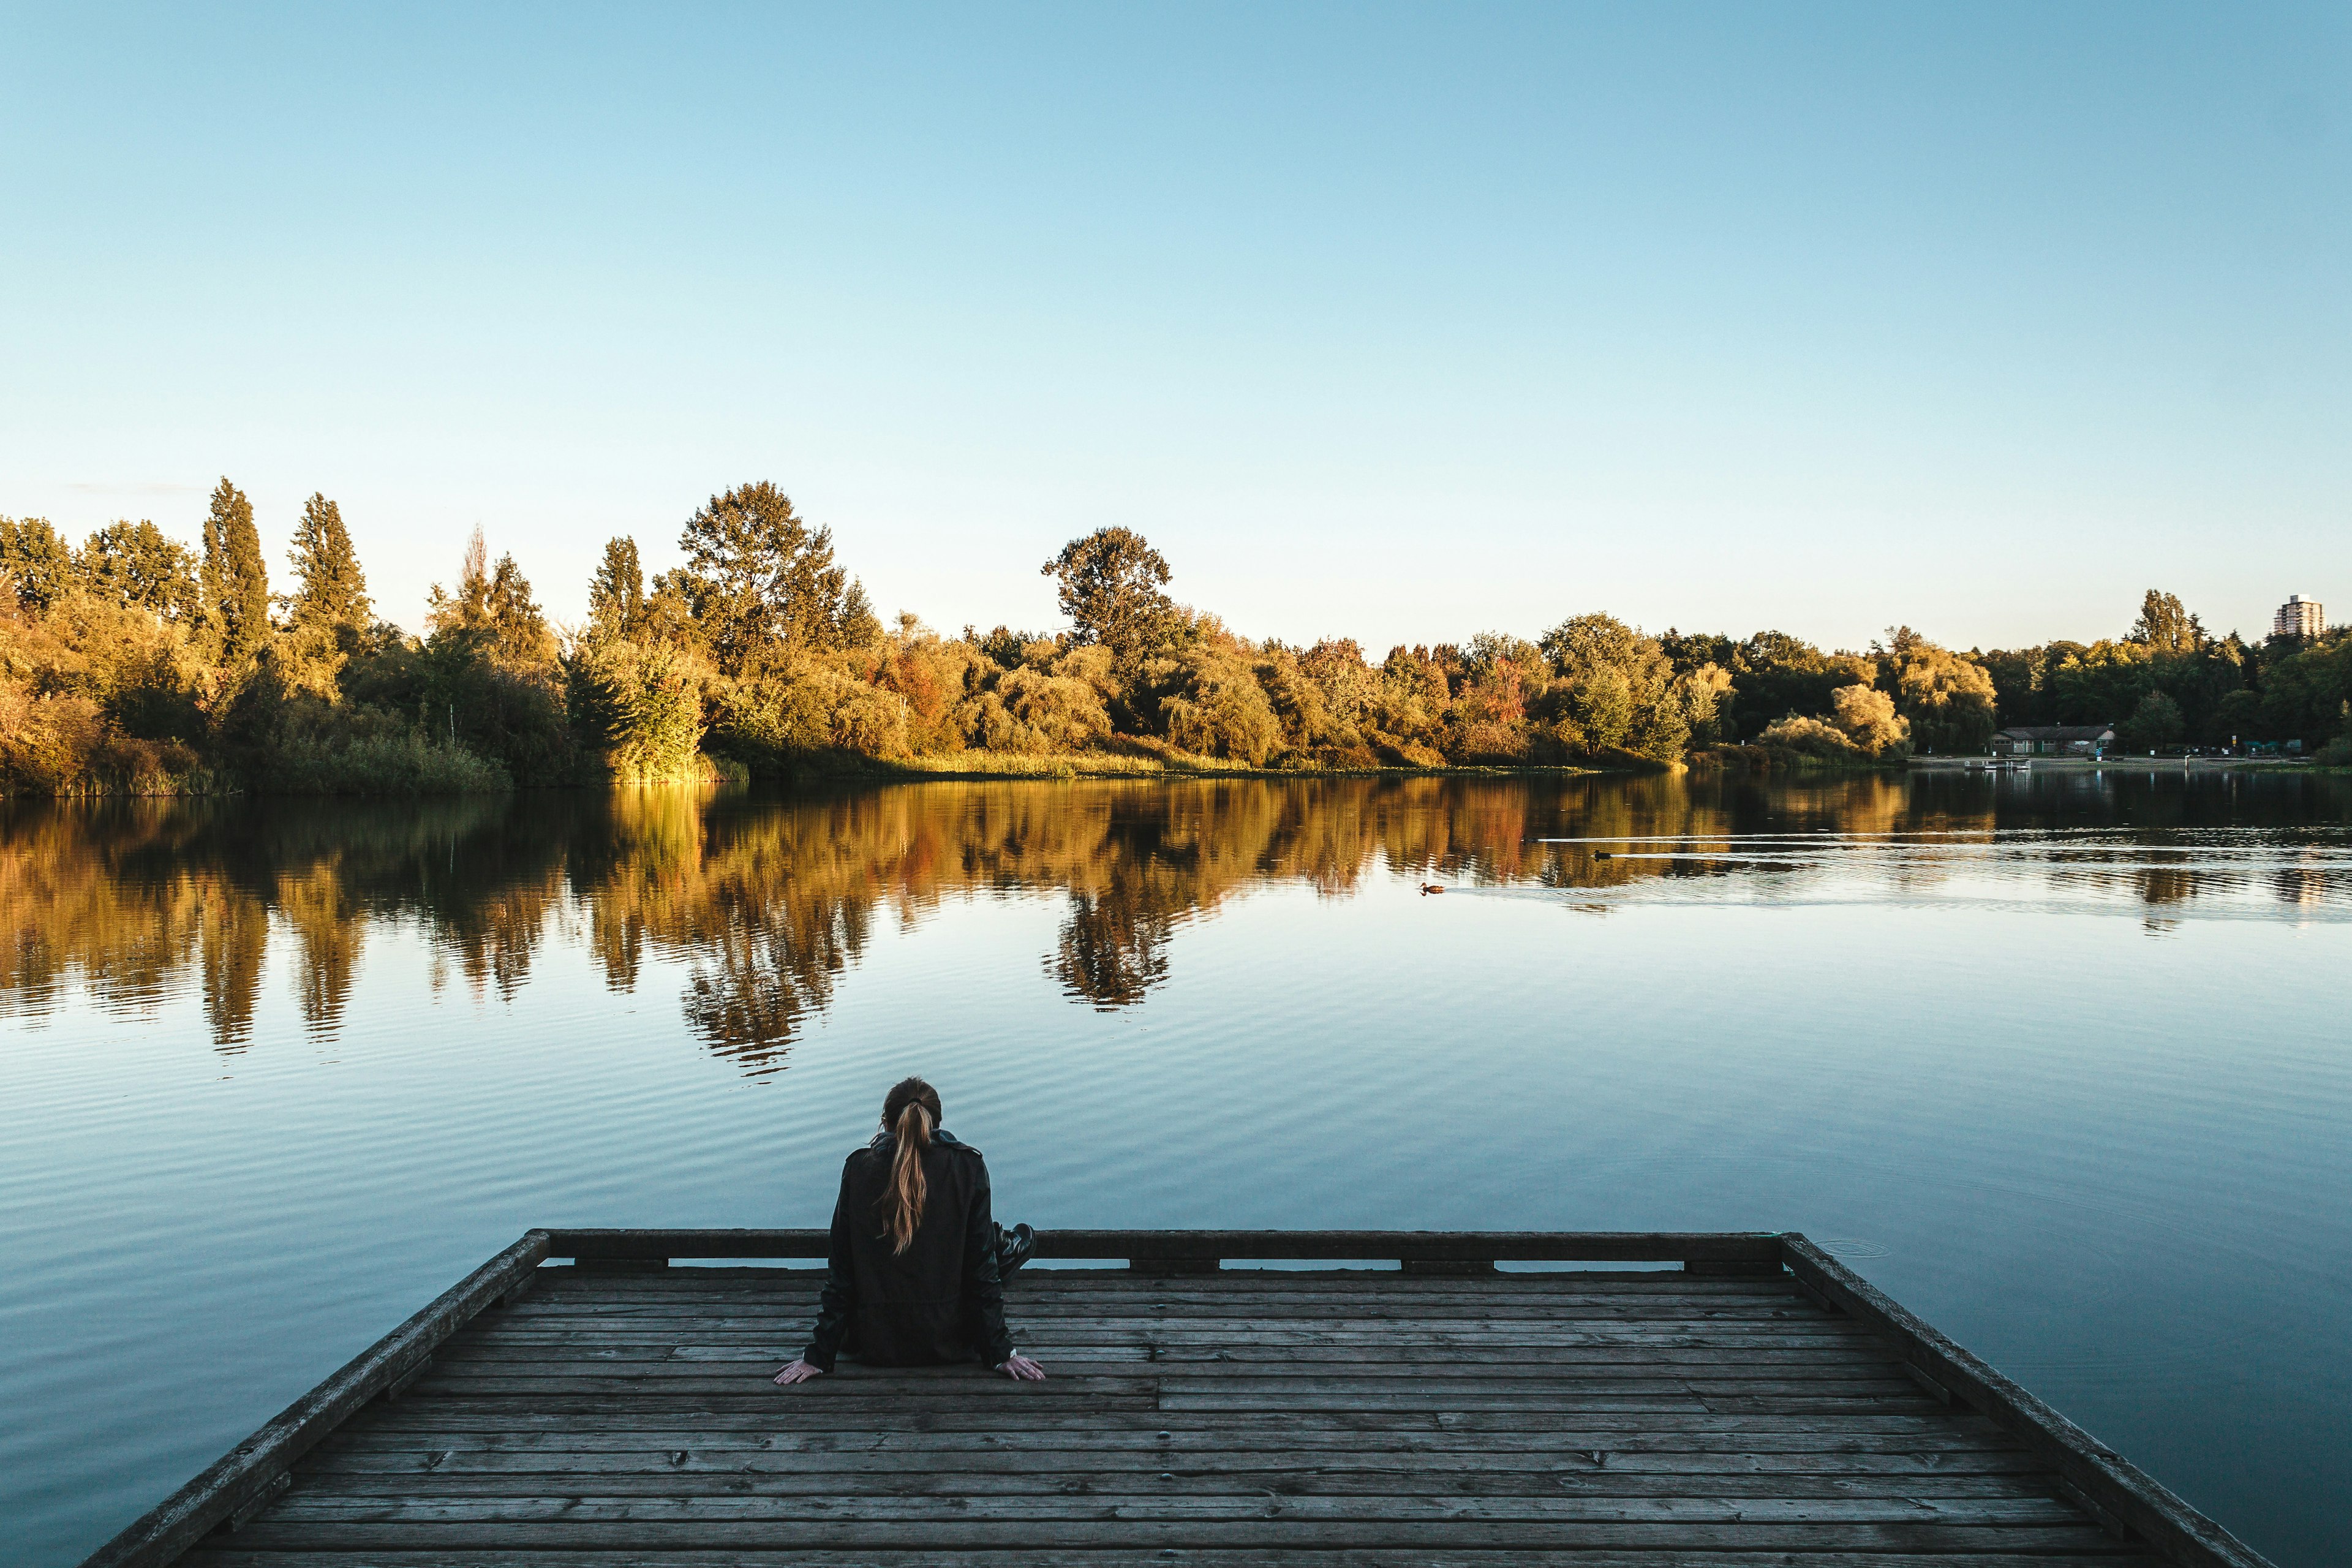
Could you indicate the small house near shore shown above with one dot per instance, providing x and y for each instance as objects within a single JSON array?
[{"x": 2054, "y": 741}]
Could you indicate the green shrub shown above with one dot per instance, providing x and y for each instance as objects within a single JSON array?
[
  {"x": 1809, "y": 738},
  {"x": 637, "y": 712},
  {"x": 1219, "y": 710},
  {"x": 808, "y": 711},
  {"x": 403, "y": 763}
]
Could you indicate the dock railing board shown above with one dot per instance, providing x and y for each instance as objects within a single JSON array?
[
  {"x": 1189, "y": 1251},
  {"x": 2132, "y": 1506}
]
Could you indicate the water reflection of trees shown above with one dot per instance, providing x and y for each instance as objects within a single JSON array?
[
  {"x": 1112, "y": 949},
  {"x": 764, "y": 903}
]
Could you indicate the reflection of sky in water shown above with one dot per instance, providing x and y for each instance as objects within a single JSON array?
[{"x": 274, "y": 1074}]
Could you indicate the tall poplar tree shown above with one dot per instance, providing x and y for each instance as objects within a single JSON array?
[
  {"x": 616, "y": 594},
  {"x": 332, "y": 596},
  {"x": 236, "y": 580}
]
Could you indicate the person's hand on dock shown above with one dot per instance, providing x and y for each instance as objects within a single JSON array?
[
  {"x": 801, "y": 1371},
  {"x": 1020, "y": 1369}
]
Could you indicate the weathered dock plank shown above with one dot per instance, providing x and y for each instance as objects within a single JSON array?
[
  {"x": 1135, "y": 1557},
  {"x": 618, "y": 1411}
]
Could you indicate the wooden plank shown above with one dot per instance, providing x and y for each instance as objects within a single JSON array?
[
  {"x": 1502, "y": 1320},
  {"x": 658, "y": 1371},
  {"x": 597, "y": 1454},
  {"x": 1007, "y": 1482},
  {"x": 1500, "y": 1317},
  {"x": 579, "y": 1302},
  {"x": 1503, "y": 1326},
  {"x": 1500, "y": 1328},
  {"x": 1284, "y": 1331},
  {"x": 569, "y": 1284},
  {"x": 1589, "y": 1441},
  {"x": 250, "y": 1470},
  {"x": 1428, "y": 1247},
  {"x": 1184, "y": 1294},
  {"x": 1110, "y": 1278},
  {"x": 1233, "y": 1325},
  {"x": 1187, "y": 1331},
  {"x": 1138, "y": 1557},
  {"x": 1379, "y": 1304},
  {"x": 1307, "y": 1389},
  {"x": 1275, "y": 1532},
  {"x": 565, "y": 1284},
  {"x": 504, "y": 1415},
  {"x": 1288, "y": 1349},
  {"x": 1309, "y": 1393},
  {"x": 780, "y": 1504},
  {"x": 1239, "y": 1279},
  {"x": 2173, "y": 1530},
  {"x": 1369, "y": 1356},
  {"x": 1372, "y": 1318},
  {"x": 1354, "y": 1361},
  {"x": 1549, "y": 1407}
]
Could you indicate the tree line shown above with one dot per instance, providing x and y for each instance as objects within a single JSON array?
[{"x": 131, "y": 661}]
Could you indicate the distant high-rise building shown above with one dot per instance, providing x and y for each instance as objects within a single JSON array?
[{"x": 2298, "y": 617}]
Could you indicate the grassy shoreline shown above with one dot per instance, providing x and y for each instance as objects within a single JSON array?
[
  {"x": 1015, "y": 767},
  {"x": 966, "y": 767},
  {"x": 1084, "y": 767}
]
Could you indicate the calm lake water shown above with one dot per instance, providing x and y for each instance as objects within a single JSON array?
[{"x": 2062, "y": 1060}]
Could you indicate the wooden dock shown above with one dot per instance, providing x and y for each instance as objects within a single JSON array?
[{"x": 1747, "y": 1400}]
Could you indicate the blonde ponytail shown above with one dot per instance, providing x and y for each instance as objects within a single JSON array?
[{"x": 904, "y": 1200}]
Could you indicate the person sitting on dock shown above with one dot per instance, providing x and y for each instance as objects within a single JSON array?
[{"x": 916, "y": 1272}]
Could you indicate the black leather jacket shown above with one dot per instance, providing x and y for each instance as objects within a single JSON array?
[{"x": 940, "y": 1300}]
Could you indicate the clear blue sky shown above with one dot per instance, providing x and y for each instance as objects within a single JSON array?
[{"x": 1396, "y": 323}]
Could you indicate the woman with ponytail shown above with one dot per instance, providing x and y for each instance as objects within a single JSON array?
[{"x": 917, "y": 1272}]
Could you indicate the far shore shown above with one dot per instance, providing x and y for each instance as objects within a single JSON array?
[{"x": 2137, "y": 763}]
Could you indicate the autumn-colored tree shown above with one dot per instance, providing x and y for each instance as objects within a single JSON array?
[
  {"x": 1613, "y": 690},
  {"x": 1867, "y": 717},
  {"x": 762, "y": 584},
  {"x": 1775, "y": 676},
  {"x": 1213, "y": 705},
  {"x": 1947, "y": 699},
  {"x": 137, "y": 565},
  {"x": 1349, "y": 685},
  {"x": 2165, "y": 626},
  {"x": 37, "y": 562},
  {"x": 1109, "y": 583}
]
